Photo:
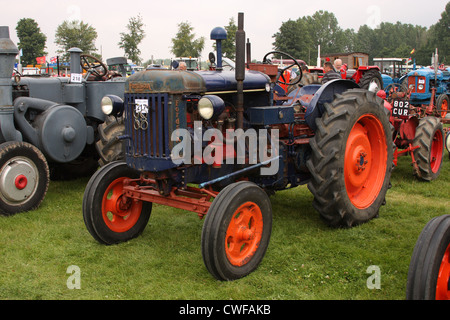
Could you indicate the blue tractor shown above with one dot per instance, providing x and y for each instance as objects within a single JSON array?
[
  {"x": 393, "y": 71},
  {"x": 429, "y": 90},
  {"x": 219, "y": 143}
]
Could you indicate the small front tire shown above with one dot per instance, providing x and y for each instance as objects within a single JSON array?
[
  {"x": 108, "y": 217},
  {"x": 430, "y": 139},
  {"x": 236, "y": 232}
]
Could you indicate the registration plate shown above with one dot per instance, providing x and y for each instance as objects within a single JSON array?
[{"x": 400, "y": 108}]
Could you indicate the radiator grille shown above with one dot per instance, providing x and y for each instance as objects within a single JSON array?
[{"x": 147, "y": 126}]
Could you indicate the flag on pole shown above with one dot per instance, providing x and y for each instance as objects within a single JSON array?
[
  {"x": 40, "y": 60},
  {"x": 413, "y": 50}
]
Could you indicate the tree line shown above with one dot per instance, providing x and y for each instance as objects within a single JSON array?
[
  {"x": 299, "y": 38},
  {"x": 69, "y": 34}
]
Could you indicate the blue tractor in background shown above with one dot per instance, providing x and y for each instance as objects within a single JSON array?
[
  {"x": 393, "y": 71},
  {"x": 429, "y": 89},
  {"x": 336, "y": 138}
]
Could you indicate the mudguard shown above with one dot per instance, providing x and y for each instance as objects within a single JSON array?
[{"x": 324, "y": 94}]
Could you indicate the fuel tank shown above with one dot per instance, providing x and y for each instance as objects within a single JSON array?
[
  {"x": 226, "y": 81},
  {"x": 179, "y": 82}
]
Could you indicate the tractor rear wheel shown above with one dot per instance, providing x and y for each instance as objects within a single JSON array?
[
  {"x": 429, "y": 269},
  {"x": 372, "y": 80},
  {"x": 24, "y": 177},
  {"x": 236, "y": 232},
  {"x": 110, "y": 217},
  {"x": 430, "y": 139},
  {"x": 352, "y": 159},
  {"x": 109, "y": 147}
]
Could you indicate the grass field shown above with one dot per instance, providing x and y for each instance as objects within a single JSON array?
[{"x": 306, "y": 260}]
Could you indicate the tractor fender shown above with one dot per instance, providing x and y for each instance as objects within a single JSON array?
[{"x": 325, "y": 94}]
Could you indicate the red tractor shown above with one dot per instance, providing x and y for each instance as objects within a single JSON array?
[
  {"x": 416, "y": 133},
  {"x": 367, "y": 77}
]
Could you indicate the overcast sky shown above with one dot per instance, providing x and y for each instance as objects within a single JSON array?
[{"x": 262, "y": 19}]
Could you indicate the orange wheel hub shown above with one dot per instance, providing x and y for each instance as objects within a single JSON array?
[
  {"x": 444, "y": 108},
  {"x": 437, "y": 148},
  {"x": 119, "y": 213},
  {"x": 365, "y": 161},
  {"x": 244, "y": 234},
  {"x": 443, "y": 280}
]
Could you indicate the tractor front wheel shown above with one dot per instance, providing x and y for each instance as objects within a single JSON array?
[
  {"x": 442, "y": 103},
  {"x": 429, "y": 269},
  {"x": 352, "y": 159},
  {"x": 24, "y": 177},
  {"x": 430, "y": 139},
  {"x": 236, "y": 232},
  {"x": 109, "y": 216}
]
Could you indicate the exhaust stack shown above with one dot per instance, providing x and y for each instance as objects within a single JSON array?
[
  {"x": 75, "y": 60},
  {"x": 240, "y": 70},
  {"x": 8, "y": 53}
]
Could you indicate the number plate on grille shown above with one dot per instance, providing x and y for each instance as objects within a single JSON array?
[{"x": 141, "y": 105}]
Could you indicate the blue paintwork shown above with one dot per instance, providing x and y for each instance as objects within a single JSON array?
[
  {"x": 172, "y": 92},
  {"x": 429, "y": 75},
  {"x": 226, "y": 80},
  {"x": 325, "y": 94}
]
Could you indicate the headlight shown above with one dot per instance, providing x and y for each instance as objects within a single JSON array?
[
  {"x": 420, "y": 87},
  {"x": 210, "y": 107},
  {"x": 112, "y": 105}
]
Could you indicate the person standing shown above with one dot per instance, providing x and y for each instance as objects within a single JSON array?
[
  {"x": 338, "y": 65},
  {"x": 329, "y": 73}
]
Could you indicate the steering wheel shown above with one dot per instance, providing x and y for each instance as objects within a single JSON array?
[
  {"x": 281, "y": 75},
  {"x": 392, "y": 88},
  {"x": 93, "y": 65}
]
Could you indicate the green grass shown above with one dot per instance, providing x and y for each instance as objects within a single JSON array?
[{"x": 305, "y": 258}]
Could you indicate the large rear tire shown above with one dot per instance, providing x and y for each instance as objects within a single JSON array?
[
  {"x": 108, "y": 217},
  {"x": 430, "y": 139},
  {"x": 429, "y": 269},
  {"x": 352, "y": 159},
  {"x": 109, "y": 147},
  {"x": 236, "y": 232},
  {"x": 371, "y": 80}
]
